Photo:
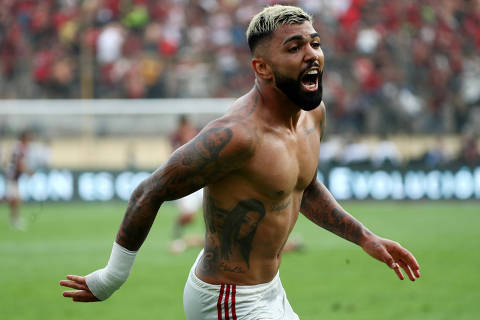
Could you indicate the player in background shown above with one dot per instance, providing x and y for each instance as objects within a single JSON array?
[
  {"x": 189, "y": 205},
  {"x": 17, "y": 165}
]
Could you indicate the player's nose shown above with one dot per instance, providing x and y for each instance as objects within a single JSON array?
[{"x": 314, "y": 55}]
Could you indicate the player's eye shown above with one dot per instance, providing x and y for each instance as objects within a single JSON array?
[
  {"x": 316, "y": 45},
  {"x": 293, "y": 49}
]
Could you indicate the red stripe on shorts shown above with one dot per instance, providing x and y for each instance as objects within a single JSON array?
[
  {"x": 234, "y": 313},
  {"x": 219, "y": 302},
  {"x": 227, "y": 294}
]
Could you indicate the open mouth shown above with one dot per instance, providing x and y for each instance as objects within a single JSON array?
[{"x": 310, "y": 80}]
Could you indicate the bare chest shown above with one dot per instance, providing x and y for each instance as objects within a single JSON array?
[{"x": 284, "y": 165}]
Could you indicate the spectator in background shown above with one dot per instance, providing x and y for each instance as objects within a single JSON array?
[
  {"x": 356, "y": 151},
  {"x": 470, "y": 154},
  {"x": 386, "y": 153},
  {"x": 331, "y": 151},
  {"x": 436, "y": 155},
  {"x": 410, "y": 65},
  {"x": 39, "y": 155},
  {"x": 17, "y": 165},
  {"x": 109, "y": 44}
]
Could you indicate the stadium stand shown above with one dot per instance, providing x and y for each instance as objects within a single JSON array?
[{"x": 396, "y": 66}]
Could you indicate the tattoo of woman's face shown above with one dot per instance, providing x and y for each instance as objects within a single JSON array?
[{"x": 236, "y": 228}]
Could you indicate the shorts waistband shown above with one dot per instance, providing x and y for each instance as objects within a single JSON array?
[{"x": 240, "y": 289}]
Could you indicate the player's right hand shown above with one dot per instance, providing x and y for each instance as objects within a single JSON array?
[{"x": 81, "y": 293}]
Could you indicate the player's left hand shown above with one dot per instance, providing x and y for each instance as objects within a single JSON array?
[
  {"x": 81, "y": 293},
  {"x": 394, "y": 255}
]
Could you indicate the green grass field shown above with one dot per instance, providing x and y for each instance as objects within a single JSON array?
[{"x": 332, "y": 279}]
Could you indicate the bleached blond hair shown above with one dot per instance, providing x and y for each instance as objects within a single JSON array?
[{"x": 264, "y": 23}]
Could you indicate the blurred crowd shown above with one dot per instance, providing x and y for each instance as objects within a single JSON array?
[
  {"x": 391, "y": 66},
  {"x": 384, "y": 152}
]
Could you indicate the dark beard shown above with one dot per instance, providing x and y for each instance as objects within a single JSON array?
[{"x": 292, "y": 88}]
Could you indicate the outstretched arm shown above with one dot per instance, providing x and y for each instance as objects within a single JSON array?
[
  {"x": 319, "y": 206},
  {"x": 221, "y": 147}
]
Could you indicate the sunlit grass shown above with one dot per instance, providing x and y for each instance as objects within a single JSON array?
[{"x": 331, "y": 279}]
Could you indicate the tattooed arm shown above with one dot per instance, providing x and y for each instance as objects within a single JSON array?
[
  {"x": 218, "y": 149},
  {"x": 221, "y": 147},
  {"x": 319, "y": 206}
]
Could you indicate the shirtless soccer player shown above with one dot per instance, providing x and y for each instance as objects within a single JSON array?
[{"x": 258, "y": 167}]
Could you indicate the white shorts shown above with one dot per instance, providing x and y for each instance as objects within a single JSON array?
[
  {"x": 190, "y": 203},
  {"x": 266, "y": 301},
  {"x": 11, "y": 190}
]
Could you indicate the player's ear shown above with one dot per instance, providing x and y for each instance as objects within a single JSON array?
[{"x": 262, "y": 68}]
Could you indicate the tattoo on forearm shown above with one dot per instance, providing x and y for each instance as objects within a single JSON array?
[
  {"x": 320, "y": 207},
  {"x": 135, "y": 227},
  {"x": 375, "y": 244},
  {"x": 342, "y": 224}
]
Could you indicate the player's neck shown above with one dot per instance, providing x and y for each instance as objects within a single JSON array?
[{"x": 279, "y": 109}]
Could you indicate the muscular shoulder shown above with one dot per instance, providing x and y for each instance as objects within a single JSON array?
[{"x": 231, "y": 136}]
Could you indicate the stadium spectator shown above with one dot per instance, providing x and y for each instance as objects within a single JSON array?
[
  {"x": 39, "y": 155},
  {"x": 257, "y": 164},
  {"x": 331, "y": 150},
  {"x": 436, "y": 156},
  {"x": 386, "y": 152},
  {"x": 356, "y": 151},
  {"x": 470, "y": 153},
  {"x": 405, "y": 66}
]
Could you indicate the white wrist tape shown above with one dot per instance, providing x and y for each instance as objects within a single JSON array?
[{"x": 104, "y": 282}]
